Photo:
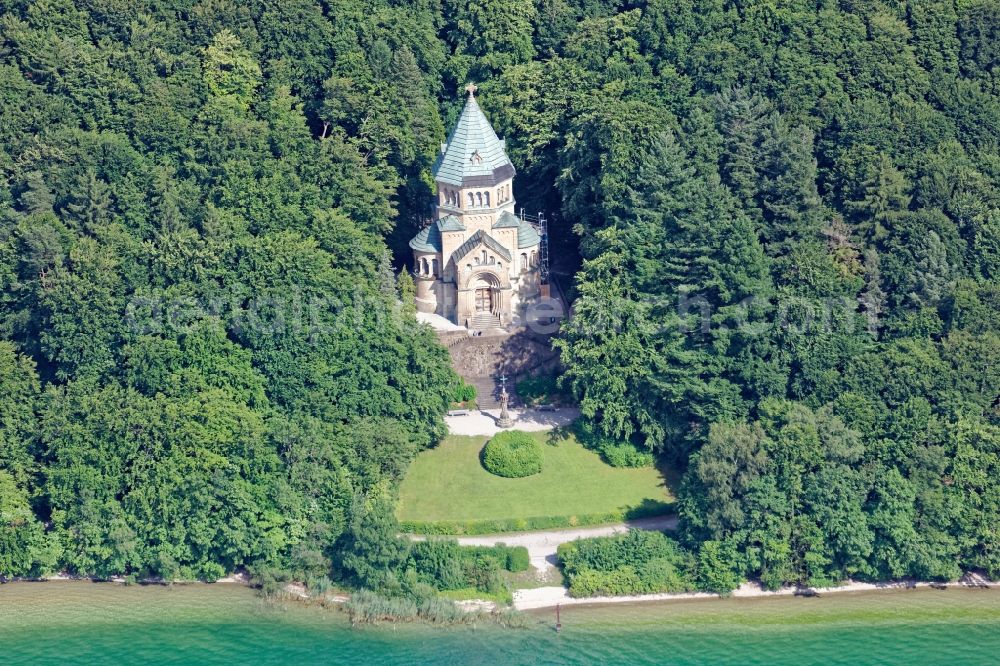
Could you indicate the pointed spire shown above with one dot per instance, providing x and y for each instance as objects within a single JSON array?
[{"x": 473, "y": 150}]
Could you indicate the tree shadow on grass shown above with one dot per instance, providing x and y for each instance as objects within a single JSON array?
[
  {"x": 670, "y": 475},
  {"x": 559, "y": 434},
  {"x": 649, "y": 508}
]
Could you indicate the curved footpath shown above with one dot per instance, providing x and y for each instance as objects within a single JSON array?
[{"x": 542, "y": 545}]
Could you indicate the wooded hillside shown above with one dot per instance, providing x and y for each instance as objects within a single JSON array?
[{"x": 785, "y": 215}]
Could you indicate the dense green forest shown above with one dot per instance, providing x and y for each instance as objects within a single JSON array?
[
  {"x": 780, "y": 218},
  {"x": 205, "y": 365}
]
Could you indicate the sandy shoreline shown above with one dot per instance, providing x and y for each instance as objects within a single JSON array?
[{"x": 549, "y": 597}]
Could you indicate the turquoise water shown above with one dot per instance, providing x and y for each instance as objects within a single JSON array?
[{"x": 87, "y": 623}]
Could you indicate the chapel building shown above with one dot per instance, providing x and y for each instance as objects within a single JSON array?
[{"x": 477, "y": 264}]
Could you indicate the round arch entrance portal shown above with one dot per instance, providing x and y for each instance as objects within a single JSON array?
[
  {"x": 483, "y": 298},
  {"x": 486, "y": 294}
]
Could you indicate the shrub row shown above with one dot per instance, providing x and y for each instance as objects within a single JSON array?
[
  {"x": 512, "y": 454},
  {"x": 638, "y": 562},
  {"x": 626, "y": 455},
  {"x": 614, "y": 452},
  {"x": 500, "y": 526},
  {"x": 657, "y": 576},
  {"x": 512, "y": 558},
  {"x": 444, "y": 565}
]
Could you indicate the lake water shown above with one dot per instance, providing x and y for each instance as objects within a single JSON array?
[{"x": 88, "y": 623}]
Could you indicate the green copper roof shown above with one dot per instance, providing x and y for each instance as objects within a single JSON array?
[
  {"x": 526, "y": 235},
  {"x": 477, "y": 239},
  {"x": 473, "y": 155},
  {"x": 507, "y": 220},
  {"x": 427, "y": 239},
  {"x": 450, "y": 223}
]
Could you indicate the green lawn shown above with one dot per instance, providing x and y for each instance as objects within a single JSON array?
[{"x": 448, "y": 483}]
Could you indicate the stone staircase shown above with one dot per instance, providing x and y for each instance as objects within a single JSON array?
[
  {"x": 484, "y": 321},
  {"x": 487, "y": 392},
  {"x": 479, "y": 360}
]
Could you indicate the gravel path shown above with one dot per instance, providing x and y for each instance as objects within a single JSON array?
[
  {"x": 547, "y": 597},
  {"x": 530, "y": 420},
  {"x": 542, "y": 545}
]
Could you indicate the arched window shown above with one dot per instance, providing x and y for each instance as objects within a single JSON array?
[
  {"x": 423, "y": 265},
  {"x": 492, "y": 260},
  {"x": 479, "y": 199},
  {"x": 472, "y": 200},
  {"x": 524, "y": 261},
  {"x": 434, "y": 267},
  {"x": 534, "y": 258},
  {"x": 484, "y": 256},
  {"x": 486, "y": 195}
]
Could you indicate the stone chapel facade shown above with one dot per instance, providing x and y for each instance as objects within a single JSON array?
[{"x": 477, "y": 264}]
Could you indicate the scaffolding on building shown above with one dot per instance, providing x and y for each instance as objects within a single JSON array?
[{"x": 541, "y": 225}]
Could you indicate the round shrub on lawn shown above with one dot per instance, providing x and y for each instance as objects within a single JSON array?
[{"x": 512, "y": 454}]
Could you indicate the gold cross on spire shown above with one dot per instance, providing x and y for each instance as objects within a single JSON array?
[{"x": 471, "y": 89}]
